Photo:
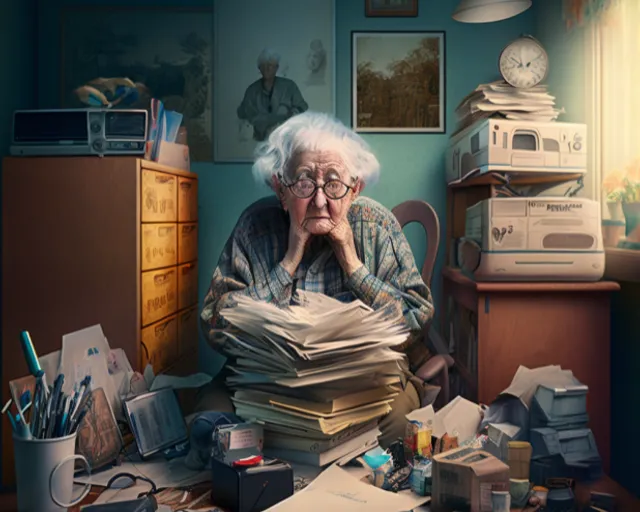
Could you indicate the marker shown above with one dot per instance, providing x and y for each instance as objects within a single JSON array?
[{"x": 30, "y": 353}]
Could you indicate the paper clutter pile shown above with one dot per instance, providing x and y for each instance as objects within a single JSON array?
[
  {"x": 318, "y": 374},
  {"x": 499, "y": 99}
]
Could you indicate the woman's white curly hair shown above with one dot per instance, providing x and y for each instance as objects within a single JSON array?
[{"x": 314, "y": 131}]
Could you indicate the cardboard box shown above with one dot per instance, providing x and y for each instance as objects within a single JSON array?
[{"x": 464, "y": 478}]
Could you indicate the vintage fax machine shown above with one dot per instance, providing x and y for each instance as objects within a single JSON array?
[
  {"x": 531, "y": 239},
  {"x": 502, "y": 145}
]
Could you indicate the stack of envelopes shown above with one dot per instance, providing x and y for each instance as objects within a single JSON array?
[{"x": 318, "y": 374}]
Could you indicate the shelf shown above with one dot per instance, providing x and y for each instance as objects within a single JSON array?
[
  {"x": 519, "y": 178},
  {"x": 457, "y": 276},
  {"x": 622, "y": 265}
]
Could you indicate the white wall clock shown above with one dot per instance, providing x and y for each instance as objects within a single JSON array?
[{"x": 524, "y": 63}]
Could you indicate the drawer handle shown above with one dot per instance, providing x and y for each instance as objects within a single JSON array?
[
  {"x": 186, "y": 185},
  {"x": 146, "y": 350}
]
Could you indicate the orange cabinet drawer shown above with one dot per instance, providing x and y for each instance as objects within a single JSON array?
[
  {"x": 187, "y": 242},
  {"x": 159, "y": 197},
  {"x": 160, "y": 344},
  {"x": 187, "y": 199},
  {"x": 188, "y": 331},
  {"x": 187, "y": 285},
  {"x": 159, "y": 245},
  {"x": 159, "y": 294}
]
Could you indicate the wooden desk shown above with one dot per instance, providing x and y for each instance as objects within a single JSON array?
[
  {"x": 626, "y": 502},
  {"x": 496, "y": 327}
]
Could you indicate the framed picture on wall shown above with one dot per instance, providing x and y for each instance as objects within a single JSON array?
[
  {"x": 272, "y": 60},
  {"x": 166, "y": 51},
  {"x": 398, "y": 8},
  {"x": 398, "y": 82}
]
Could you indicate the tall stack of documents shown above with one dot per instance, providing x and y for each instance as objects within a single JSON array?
[
  {"x": 318, "y": 374},
  {"x": 499, "y": 99}
]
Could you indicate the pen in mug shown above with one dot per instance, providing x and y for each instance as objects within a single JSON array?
[
  {"x": 23, "y": 426},
  {"x": 31, "y": 356},
  {"x": 10, "y": 415},
  {"x": 53, "y": 404}
]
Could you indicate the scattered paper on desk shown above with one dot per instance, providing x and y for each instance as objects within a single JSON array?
[
  {"x": 526, "y": 381},
  {"x": 85, "y": 352},
  {"x": 460, "y": 418},
  {"x": 336, "y": 489},
  {"x": 512, "y": 405},
  {"x": 170, "y": 381}
]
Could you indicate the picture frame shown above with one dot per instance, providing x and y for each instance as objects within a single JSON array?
[
  {"x": 398, "y": 81},
  {"x": 391, "y": 8},
  {"x": 166, "y": 51},
  {"x": 303, "y": 54}
]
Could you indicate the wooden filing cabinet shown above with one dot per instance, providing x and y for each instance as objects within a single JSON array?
[{"x": 110, "y": 241}]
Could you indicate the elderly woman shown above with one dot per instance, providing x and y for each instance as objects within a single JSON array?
[{"x": 319, "y": 234}]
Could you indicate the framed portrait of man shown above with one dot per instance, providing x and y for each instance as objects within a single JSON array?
[{"x": 272, "y": 60}]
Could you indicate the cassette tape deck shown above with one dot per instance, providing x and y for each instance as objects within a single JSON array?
[{"x": 77, "y": 132}]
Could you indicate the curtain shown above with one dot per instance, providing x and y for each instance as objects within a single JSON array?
[{"x": 613, "y": 95}]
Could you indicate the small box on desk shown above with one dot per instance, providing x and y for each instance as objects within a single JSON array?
[
  {"x": 170, "y": 154},
  {"x": 250, "y": 489}
]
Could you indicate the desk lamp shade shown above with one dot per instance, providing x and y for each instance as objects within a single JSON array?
[{"x": 486, "y": 11}]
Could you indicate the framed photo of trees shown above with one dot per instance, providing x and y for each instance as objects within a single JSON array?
[{"x": 398, "y": 82}]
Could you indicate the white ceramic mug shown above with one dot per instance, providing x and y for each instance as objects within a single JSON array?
[{"x": 44, "y": 473}]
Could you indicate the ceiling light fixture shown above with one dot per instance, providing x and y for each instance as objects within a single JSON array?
[{"x": 487, "y": 11}]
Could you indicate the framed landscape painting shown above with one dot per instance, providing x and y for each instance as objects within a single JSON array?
[{"x": 398, "y": 82}]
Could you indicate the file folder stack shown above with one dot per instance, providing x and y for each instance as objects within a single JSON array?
[
  {"x": 562, "y": 444},
  {"x": 318, "y": 374}
]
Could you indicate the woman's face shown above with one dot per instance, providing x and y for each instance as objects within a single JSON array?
[{"x": 317, "y": 214}]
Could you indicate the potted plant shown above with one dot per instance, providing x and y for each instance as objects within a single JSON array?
[
  {"x": 630, "y": 200},
  {"x": 613, "y": 188}
]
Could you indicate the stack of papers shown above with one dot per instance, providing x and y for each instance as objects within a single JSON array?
[
  {"x": 317, "y": 375},
  {"x": 499, "y": 99}
]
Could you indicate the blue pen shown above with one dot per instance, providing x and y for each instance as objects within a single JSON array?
[{"x": 53, "y": 404}]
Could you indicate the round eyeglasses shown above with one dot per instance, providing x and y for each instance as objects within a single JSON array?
[{"x": 305, "y": 188}]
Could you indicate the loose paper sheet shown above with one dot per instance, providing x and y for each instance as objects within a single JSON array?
[{"x": 336, "y": 489}]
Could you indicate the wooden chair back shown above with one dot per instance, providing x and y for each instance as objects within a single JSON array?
[{"x": 423, "y": 213}]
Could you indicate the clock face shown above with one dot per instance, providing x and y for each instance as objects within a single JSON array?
[{"x": 524, "y": 63}]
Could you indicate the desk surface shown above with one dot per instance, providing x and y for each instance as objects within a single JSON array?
[
  {"x": 458, "y": 277},
  {"x": 626, "y": 502}
]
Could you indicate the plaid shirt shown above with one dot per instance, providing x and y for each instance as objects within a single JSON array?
[{"x": 250, "y": 265}]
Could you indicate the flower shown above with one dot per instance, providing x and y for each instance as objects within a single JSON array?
[{"x": 613, "y": 185}]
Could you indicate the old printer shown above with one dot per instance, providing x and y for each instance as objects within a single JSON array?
[
  {"x": 533, "y": 239},
  {"x": 514, "y": 146}
]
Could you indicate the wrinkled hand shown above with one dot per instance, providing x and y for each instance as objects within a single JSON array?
[
  {"x": 343, "y": 244},
  {"x": 298, "y": 239}
]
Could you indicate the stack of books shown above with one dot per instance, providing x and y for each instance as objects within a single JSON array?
[
  {"x": 499, "y": 99},
  {"x": 318, "y": 375}
]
